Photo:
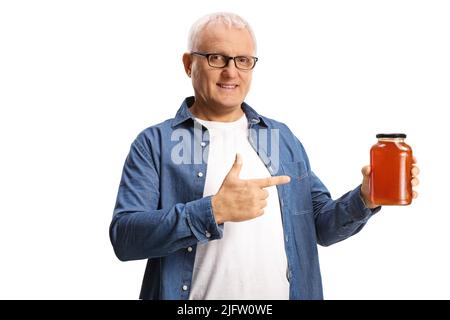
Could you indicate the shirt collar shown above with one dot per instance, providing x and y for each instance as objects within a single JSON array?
[{"x": 183, "y": 113}]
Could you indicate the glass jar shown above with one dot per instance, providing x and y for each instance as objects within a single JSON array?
[{"x": 391, "y": 164}]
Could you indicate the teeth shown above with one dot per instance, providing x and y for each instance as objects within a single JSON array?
[{"x": 227, "y": 86}]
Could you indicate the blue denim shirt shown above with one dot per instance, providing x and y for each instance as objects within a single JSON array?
[{"x": 161, "y": 214}]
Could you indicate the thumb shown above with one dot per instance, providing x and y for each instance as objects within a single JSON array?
[
  {"x": 365, "y": 171},
  {"x": 366, "y": 178},
  {"x": 236, "y": 168}
]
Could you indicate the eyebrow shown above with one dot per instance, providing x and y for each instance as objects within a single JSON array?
[{"x": 225, "y": 54}]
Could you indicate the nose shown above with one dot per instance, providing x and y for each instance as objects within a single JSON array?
[{"x": 230, "y": 69}]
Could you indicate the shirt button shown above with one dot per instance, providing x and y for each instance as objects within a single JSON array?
[
  {"x": 189, "y": 249},
  {"x": 207, "y": 234},
  {"x": 203, "y": 143},
  {"x": 200, "y": 174},
  {"x": 185, "y": 287}
]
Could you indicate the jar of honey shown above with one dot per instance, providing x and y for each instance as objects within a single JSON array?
[{"x": 390, "y": 176}]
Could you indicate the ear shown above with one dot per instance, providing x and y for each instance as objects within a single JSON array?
[{"x": 187, "y": 62}]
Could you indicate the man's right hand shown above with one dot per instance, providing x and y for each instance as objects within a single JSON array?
[{"x": 240, "y": 200}]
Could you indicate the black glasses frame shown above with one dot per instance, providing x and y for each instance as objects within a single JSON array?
[{"x": 227, "y": 59}]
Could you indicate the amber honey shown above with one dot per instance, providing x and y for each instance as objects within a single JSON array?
[{"x": 391, "y": 164}]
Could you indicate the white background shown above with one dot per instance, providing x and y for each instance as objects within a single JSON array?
[{"x": 80, "y": 79}]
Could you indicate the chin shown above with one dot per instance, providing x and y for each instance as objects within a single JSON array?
[{"x": 229, "y": 103}]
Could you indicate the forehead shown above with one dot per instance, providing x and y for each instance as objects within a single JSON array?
[{"x": 220, "y": 38}]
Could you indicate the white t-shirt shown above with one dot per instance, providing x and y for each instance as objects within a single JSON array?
[{"x": 249, "y": 262}]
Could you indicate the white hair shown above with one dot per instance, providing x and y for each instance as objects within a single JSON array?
[{"x": 226, "y": 18}]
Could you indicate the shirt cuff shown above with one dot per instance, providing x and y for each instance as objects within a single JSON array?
[
  {"x": 201, "y": 220},
  {"x": 358, "y": 203}
]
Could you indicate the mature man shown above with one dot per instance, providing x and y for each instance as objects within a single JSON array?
[{"x": 221, "y": 200}]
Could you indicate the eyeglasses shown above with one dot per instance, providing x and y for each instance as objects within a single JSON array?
[{"x": 217, "y": 60}]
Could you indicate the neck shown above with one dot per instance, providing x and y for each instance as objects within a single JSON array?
[{"x": 204, "y": 112}]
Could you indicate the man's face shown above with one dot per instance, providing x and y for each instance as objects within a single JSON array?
[{"x": 227, "y": 87}]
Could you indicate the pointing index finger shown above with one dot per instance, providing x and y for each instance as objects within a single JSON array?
[{"x": 271, "y": 181}]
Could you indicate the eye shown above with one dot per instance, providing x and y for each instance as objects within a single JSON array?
[
  {"x": 216, "y": 57},
  {"x": 243, "y": 60}
]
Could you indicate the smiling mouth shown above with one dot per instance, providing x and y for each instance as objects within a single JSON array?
[{"x": 227, "y": 86}]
